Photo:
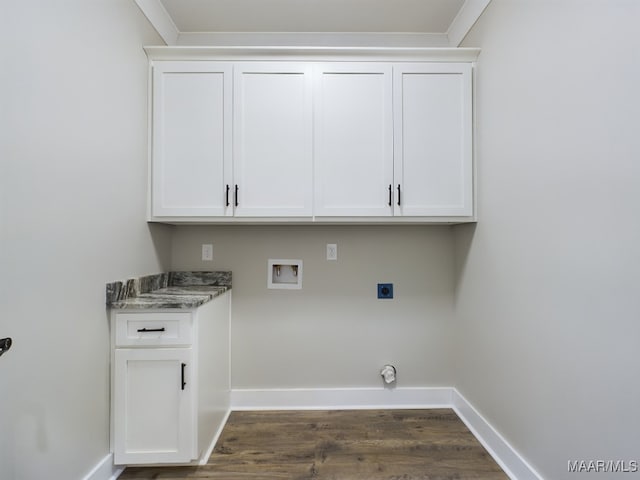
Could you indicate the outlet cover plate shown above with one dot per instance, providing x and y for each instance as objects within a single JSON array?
[
  {"x": 207, "y": 252},
  {"x": 385, "y": 290}
]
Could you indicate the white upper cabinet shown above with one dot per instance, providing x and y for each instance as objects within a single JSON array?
[
  {"x": 353, "y": 139},
  {"x": 299, "y": 135},
  {"x": 191, "y": 138},
  {"x": 433, "y": 165},
  {"x": 272, "y": 140}
]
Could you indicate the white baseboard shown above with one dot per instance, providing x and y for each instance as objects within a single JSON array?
[
  {"x": 340, "y": 398},
  {"x": 504, "y": 454},
  {"x": 105, "y": 470}
]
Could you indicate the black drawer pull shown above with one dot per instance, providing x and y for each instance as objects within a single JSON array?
[
  {"x": 182, "y": 375},
  {"x": 162, "y": 329}
]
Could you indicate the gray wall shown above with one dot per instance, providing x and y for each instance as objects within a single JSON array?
[
  {"x": 73, "y": 128},
  {"x": 547, "y": 299},
  {"x": 334, "y": 332}
]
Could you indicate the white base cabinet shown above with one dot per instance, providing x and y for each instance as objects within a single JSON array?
[
  {"x": 153, "y": 410},
  {"x": 170, "y": 383}
]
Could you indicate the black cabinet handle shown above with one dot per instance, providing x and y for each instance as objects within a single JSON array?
[
  {"x": 398, "y": 194},
  {"x": 182, "y": 376},
  {"x": 145, "y": 329},
  {"x": 5, "y": 344},
  {"x": 390, "y": 195},
  {"x": 228, "y": 195},
  {"x": 236, "y": 196}
]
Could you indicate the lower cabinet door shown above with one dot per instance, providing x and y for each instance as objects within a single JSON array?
[{"x": 153, "y": 406}]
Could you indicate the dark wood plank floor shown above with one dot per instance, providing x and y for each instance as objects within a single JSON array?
[{"x": 340, "y": 445}]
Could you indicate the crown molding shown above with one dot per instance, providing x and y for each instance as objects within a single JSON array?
[
  {"x": 311, "y": 53},
  {"x": 465, "y": 20},
  {"x": 160, "y": 20}
]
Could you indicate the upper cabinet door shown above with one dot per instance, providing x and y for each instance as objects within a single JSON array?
[
  {"x": 353, "y": 126},
  {"x": 272, "y": 140},
  {"x": 191, "y": 138},
  {"x": 433, "y": 139}
]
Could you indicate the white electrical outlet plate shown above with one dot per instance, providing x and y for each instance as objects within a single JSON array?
[
  {"x": 332, "y": 251},
  {"x": 207, "y": 252}
]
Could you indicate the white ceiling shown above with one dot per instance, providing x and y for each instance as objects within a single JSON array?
[
  {"x": 410, "y": 16},
  {"x": 359, "y": 22}
]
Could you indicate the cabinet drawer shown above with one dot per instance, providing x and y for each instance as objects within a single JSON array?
[{"x": 153, "y": 329}]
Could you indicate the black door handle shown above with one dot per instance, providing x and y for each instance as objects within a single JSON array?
[
  {"x": 182, "y": 376},
  {"x": 236, "y": 196},
  {"x": 5, "y": 344},
  {"x": 398, "y": 194},
  {"x": 390, "y": 195},
  {"x": 227, "y": 195}
]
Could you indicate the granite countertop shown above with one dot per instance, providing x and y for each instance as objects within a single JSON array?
[{"x": 168, "y": 290}]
